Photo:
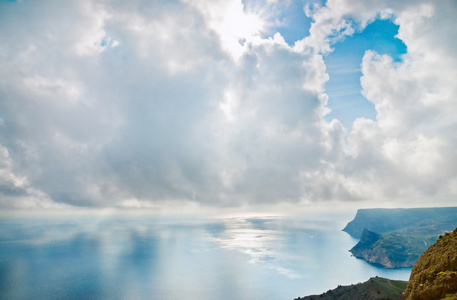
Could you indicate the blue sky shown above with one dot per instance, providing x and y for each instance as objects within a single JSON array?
[
  {"x": 291, "y": 21},
  {"x": 227, "y": 104},
  {"x": 344, "y": 62},
  {"x": 344, "y": 69}
]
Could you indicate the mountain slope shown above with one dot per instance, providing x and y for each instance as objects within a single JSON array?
[{"x": 375, "y": 288}]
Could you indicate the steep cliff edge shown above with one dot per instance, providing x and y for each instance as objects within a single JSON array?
[{"x": 434, "y": 276}]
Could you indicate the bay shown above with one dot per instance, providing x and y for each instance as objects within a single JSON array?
[{"x": 149, "y": 257}]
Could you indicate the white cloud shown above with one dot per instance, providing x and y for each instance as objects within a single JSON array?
[
  {"x": 139, "y": 104},
  {"x": 91, "y": 39},
  {"x": 412, "y": 138}
]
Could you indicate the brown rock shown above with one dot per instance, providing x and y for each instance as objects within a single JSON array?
[{"x": 434, "y": 276}]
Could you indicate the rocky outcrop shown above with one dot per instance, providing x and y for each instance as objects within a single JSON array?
[
  {"x": 367, "y": 250},
  {"x": 434, "y": 276},
  {"x": 388, "y": 250}
]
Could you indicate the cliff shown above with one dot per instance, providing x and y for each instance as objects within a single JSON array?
[
  {"x": 434, "y": 275},
  {"x": 397, "y": 237},
  {"x": 375, "y": 288}
]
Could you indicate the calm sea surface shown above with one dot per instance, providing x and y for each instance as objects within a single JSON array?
[{"x": 139, "y": 257}]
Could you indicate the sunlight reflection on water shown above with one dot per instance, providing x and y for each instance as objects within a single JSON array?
[
  {"x": 262, "y": 245},
  {"x": 131, "y": 257}
]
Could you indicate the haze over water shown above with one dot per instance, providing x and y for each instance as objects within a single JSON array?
[{"x": 144, "y": 257}]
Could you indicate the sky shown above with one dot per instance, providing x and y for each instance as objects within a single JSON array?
[{"x": 226, "y": 104}]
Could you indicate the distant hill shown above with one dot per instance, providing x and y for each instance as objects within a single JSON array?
[
  {"x": 375, "y": 288},
  {"x": 434, "y": 275},
  {"x": 396, "y": 238}
]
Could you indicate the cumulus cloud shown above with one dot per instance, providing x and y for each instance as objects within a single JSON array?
[
  {"x": 135, "y": 104},
  {"x": 407, "y": 152}
]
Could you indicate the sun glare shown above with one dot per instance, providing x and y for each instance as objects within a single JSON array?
[
  {"x": 239, "y": 26},
  {"x": 243, "y": 25},
  {"x": 234, "y": 24}
]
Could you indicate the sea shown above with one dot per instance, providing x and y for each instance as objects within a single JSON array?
[{"x": 151, "y": 257}]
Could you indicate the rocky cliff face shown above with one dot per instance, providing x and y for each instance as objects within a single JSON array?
[
  {"x": 390, "y": 251},
  {"x": 434, "y": 276},
  {"x": 365, "y": 249}
]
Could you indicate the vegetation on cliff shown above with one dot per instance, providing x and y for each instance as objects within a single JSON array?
[{"x": 434, "y": 275}]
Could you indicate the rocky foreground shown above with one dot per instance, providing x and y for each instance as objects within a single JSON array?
[{"x": 434, "y": 276}]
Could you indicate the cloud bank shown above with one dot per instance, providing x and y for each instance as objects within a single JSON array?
[{"x": 140, "y": 104}]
